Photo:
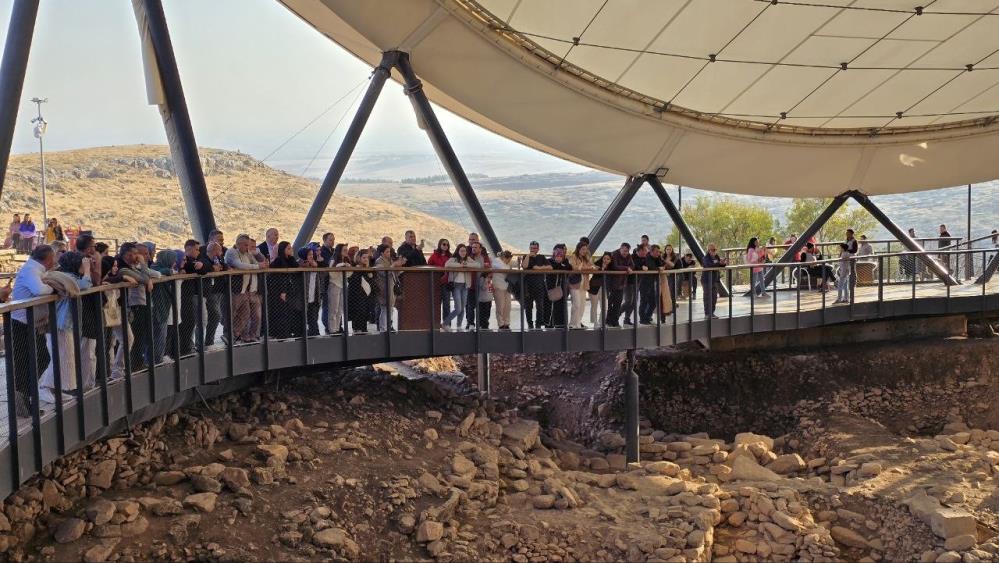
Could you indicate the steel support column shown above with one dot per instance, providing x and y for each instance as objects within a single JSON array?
[
  {"x": 12, "y": 70},
  {"x": 903, "y": 237},
  {"x": 485, "y": 382},
  {"x": 790, "y": 255},
  {"x": 681, "y": 225},
  {"x": 176, "y": 119},
  {"x": 343, "y": 154},
  {"x": 989, "y": 270},
  {"x": 631, "y": 399},
  {"x": 613, "y": 213},
  {"x": 425, "y": 113}
]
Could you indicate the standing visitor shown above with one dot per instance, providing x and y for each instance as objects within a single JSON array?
[
  {"x": 245, "y": 299},
  {"x": 14, "y": 233},
  {"x": 534, "y": 292},
  {"x": 646, "y": 285},
  {"x": 843, "y": 280},
  {"x": 622, "y": 262},
  {"x": 53, "y": 231},
  {"x": 269, "y": 247},
  {"x": 438, "y": 259},
  {"x": 755, "y": 255},
  {"x": 597, "y": 294},
  {"x": 557, "y": 283},
  {"x": 361, "y": 293},
  {"x": 216, "y": 290},
  {"x": 26, "y": 231},
  {"x": 72, "y": 276},
  {"x": 324, "y": 258},
  {"x": 190, "y": 306},
  {"x": 943, "y": 242},
  {"x": 386, "y": 285},
  {"x": 711, "y": 279},
  {"x": 284, "y": 300},
  {"x": 311, "y": 286},
  {"x": 161, "y": 308},
  {"x": 671, "y": 261},
  {"x": 28, "y": 284},
  {"x": 458, "y": 282},
  {"x": 476, "y": 255},
  {"x": 411, "y": 251},
  {"x": 334, "y": 292},
  {"x": 579, "y": 282},
  {"x": 665, "y": 299},
  {"x": 501, "y": 288}
]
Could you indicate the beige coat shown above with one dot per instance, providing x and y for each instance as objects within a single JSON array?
[{"x": 579, "y": 265}]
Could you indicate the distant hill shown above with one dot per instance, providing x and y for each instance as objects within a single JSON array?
[{"x": 131, "y": 193}]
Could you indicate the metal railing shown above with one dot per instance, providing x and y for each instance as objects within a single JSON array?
[{"x": 75, "y": 365}]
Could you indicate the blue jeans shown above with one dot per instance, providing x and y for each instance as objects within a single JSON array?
[
  {"x": 843, "y": 288},
  {"x": 758, "y": 288},
  {"x": 459, "y": 293}
]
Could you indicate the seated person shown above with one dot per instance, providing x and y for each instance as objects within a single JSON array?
[{"x": 818, "y": 272}]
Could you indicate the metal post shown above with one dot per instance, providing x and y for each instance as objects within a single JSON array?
[
  {"x": 681, "y": 225},
  {"x": 40, "y": 126},
  {"x": 969, "y": 263},
  {"x": 903, "y": 237},
  {"x": 428, "y": 121},
  {"x": 791, "y": 253},
  {"x": 12, "y": 70},
  {"x": 168, "y": 94},
  {"x": 484, "y": 376},
  {"x": 613, "y": 213},
  {"x": 631, "y": 408},
  {"x": 343, "y": 154}
]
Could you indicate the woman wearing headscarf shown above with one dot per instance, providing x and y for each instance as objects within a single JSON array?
[
  {"x": 362, "y": 293},
  {"x": 161, "y": 308},
  {"x": 284, "y": 300},
  {"x": 27, "y": 233},
  {"x": 73, "y": 277},
  {"x": 557, "y": 284}
]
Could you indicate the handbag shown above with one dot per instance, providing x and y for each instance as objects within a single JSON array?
[
  {"x": 555, "y": 293},
  {"x": 112, "y": 314}
]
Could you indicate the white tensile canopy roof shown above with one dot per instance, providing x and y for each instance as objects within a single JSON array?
[{"x": 802, "y": 98}]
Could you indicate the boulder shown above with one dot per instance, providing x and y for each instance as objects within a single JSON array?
[
  {"x": 100, "y": 475},
  {"x": 235, "y": 478},
  {"x": 202, "y": 502},
  {"x": 961, "y": 543},
  {"x": 848, "y": 537},
  {"x": 338, "y": 539},
  {"x": 168, "y": 478},
  {"x": 274, "y": 450},
  {"x": 788, "y": 463},
  {"x": 70, "y": 530},
  {"x": 522, "y": 433},
  {"x": 746, "y": 469},
  {"x": 952, "y": 522},
  {"x": 748, "y": 438},
  {"x": 100, "y": 511},
  {"x": 429, "y": 531}
]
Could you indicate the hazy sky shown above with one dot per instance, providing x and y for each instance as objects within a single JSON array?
[{"x": 252, "y": 71}]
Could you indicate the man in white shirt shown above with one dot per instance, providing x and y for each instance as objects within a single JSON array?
[
  {"x": 28, "y": 285},
  {"x": 245, "y": 299}
]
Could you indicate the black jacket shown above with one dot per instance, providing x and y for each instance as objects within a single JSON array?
[{"x": 412, "y": 254}]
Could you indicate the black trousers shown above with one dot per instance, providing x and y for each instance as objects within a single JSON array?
[
  {"x": 614, "y": 305},
  {"x": 20, "y": 335},
  {"x": 555, "y": 312},
  {"x": 485, "y": 309},
  {"x": 471, "y": 305},
  {"x": 534, "y": 306},
  {"x": 628, "y": 307},
  {"x": 313, "y": 316},
  {"x": 140, "y": 335},
  {"x": 648, "y": 302},
  {"x": 214, "y": 303},
  {"x": 189, "y": 320}
]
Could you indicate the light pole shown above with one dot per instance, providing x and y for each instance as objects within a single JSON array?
[{"x": 40, "y": 126}]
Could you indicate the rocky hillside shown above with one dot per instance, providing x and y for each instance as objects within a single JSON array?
[{"x": 131, "y": 193}]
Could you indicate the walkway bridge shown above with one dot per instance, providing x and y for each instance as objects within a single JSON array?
[{"x": 94, "y": 405}]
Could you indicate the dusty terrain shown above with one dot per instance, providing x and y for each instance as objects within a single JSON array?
[
  {"x": 131, "y": 193},
  {"x": 365, "y": 464}
]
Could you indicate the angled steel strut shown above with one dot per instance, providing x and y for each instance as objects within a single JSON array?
[
  {"x": 428, "y": 121},
  {"x": 12, "y": 70},
  {"x": 176, "y": 119},
  {"x": 332, "y": 179}
]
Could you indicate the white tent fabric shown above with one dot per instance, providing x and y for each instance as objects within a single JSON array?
[{"x": 788, "y": 98}]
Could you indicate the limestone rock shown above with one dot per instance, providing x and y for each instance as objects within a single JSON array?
[
  {"x": 848, "y": 537},
  {"x": 70, "y": 530},
  {"x": 952, "y": 522},
  {"x": 101, "y": 474},
  {"x": 747, "y": 438},
  {"x": 789, "y": 463},
  {"x": 100, "y": 552},
  {"x": 277, "y": 451},
  {"x": 746, "y": 469},
  {"x": 100, "y": 511},
  {"x": 961, "y": 543},
  {"x": 429, "y": 531},
  {"x": 202, "y": 502},
  {"x": 168, "y": 478},
  {"x": 522, "y": 433},
  {"x": 337, "y": 538},
  {"x": 235, "y": 478}
]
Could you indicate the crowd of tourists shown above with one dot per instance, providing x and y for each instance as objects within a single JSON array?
[{"x": 143, "y": 323}]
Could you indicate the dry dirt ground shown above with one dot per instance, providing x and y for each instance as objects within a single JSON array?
[
  {"x": 368, "y": 464},
  {"x": 131, "y": 193}
]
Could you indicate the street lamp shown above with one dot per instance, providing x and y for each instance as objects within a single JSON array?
[{"x": 40, "y": 126}]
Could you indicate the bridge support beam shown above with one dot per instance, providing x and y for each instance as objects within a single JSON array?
[
  {"x": 989, "y": 271},
  {"x": 343, "y": 154},
  {"x": 631, "y": 410},
  {"x": 12, "y": 71},
  {"x": 613, "y": 213},
  {"x": 791, "y": 254},
  {"x": 681, "y": 225},
  {"x": 482, "y": 366},
  {"x": 165, "y": 90},
  {"x": 903, "y": 237},
  {"x": 428, "y": 122}
]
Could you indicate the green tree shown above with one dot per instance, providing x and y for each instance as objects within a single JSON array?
[
  {"x": 803, "y": 212},
  {"x": 726, "y": 222}
]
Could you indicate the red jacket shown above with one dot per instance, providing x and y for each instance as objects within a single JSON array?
[{"x": 438, "y": 261}]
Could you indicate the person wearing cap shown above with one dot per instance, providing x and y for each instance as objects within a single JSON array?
[{"x": 534, "y": 289}]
